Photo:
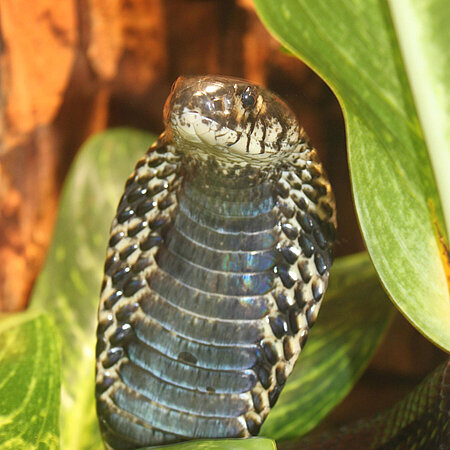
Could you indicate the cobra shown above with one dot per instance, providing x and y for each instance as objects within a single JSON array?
[{"x": 216, "y": 267}]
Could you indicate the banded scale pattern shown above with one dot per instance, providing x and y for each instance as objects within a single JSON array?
[{"x": 214, "y": 275}]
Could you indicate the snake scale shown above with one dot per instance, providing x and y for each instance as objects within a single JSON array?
[{"x": 216, "y": 267}]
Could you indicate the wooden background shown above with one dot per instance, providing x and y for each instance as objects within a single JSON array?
[{"x": 70, "y": 68}]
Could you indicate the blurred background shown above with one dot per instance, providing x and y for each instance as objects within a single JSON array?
[{"x": 75, "y": 67}]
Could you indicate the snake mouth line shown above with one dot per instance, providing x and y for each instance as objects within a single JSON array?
[{"x": 215, "y": 137}]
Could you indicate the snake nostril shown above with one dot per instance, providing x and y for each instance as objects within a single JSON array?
[
  {"x": 213, "y": 105},
  {"x": 218, "y": 104}
]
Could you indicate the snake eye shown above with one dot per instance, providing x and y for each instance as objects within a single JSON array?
[{"x": 248, "y": 98}]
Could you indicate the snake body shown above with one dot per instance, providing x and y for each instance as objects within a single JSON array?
[{"x": 216, "y": 267}]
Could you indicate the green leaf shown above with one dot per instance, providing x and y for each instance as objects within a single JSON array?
[
  {"x": 29, "y": 382},
  {"x": 352, "y": 44},
  {"x": 423, "y": 33},
  {"x": 347, "y": 333},
  {"x": 223, "y": 444},
  {"x": 69, "y": 285}
]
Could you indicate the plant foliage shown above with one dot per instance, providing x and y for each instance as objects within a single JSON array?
[{"x": 353, "y": 45}]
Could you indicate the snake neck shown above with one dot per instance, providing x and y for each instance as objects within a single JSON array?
[
  {"x": 245, "y": 195},
  {"x": 226, "y": 175}
]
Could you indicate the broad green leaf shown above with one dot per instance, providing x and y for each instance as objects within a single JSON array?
[
  {"x": 352, "y": 44},
  {"x": 349, "y": 328},
  {"x": 423, "y": 33},
  {"x": 69, "y": 285},
  {"x": 223, "y": 444},
  {"x": 29, "y": 382}
]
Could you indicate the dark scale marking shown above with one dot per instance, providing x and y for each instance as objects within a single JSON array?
[
  {"x": 313, "y": 170},
  {"x": 292, "y": 320},
  {"x": 130, "y": 181},
  {"x": 104, "y": 324},
  {"x": 116, "y": 238},
  {"x": 286, "y": 210},
  {"x": 122, "y": 334},
  {"x": 305, "y": 176},
  {"x": 144, "y": 207},
  {"x": 150, "y": 242},
  {"x": 320, "y": 239},
  {"x": 157, "y": 188},
  {"x": 123, "y": 204},
  {"x": 320, "y": 188},
  {"x": 157, "y": 223},
  {"x": 280, "y": 376},
  {"x": 298, "y": 186},
  {"x": 287, "y": 349},
  {"x": 285, "y": 276},
  {"x": 290, "y": 231},
  {"x": 273, "y": 395},
  {"x": 328, "y": 210},
  {"x": 321, "y": 264},
  {"x": 120, "y": 277},
  {"x": 270, "y": 352},
  {"x": 113, "y": 355},
  {"x": 143, "y": 181},
  {"x": 165, "y": 203},
  {"x": 263, "y": 138},
  {"x": 311, "y": 193},
  {"x": 106, "y": 382},
  {"x": 113, "y": 299},
  {"x": 305, "y": 271},
  {"x": 257, "y": 402},
  {"x": 110, "y": 263},
  {"x": 282, "y": 190},
  {"x": 140, "y": 163},
  {"x": 137, "y": 194},
  {"x": 253, "y": 427},
  {"x": 252, "y": 128},
  {"x": 278, "y": 325},
  {"x": 132, "y": 232},
  {"x": 155, "y": 162},
  {"x": 125, "y": 216},
  {"x": 299, "y": 296},
  {"x": 100, "y": 347},
  {"x": 301, "y": 203},
  {"x": 311, "y": 315},
  {"x": 202, "y": 303},
  {"x": 282, "y": 301},
  {"x": 127, "y": 251},
  {"x": 166, "y": 171},
  {"x": 305, "y": 221},
  {"x": 281, "y": 135},
  {"x": 318, "y": 289},
  {"x": 125, "y": 312},
  {"x": 141, "y": 264},
  {"x": 161, "y": 149},
  {"x": 303, "y": 338},
  {"x": 306, "y": 245},
  {"x": 263, "y": 374},
  {"x": 188, "y": 358},
  {"x": 290, "y": 254},
  {"x": 132, "y": 286}
]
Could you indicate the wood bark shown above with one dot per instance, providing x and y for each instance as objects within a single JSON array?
[{"x": 74, "y": 67}]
